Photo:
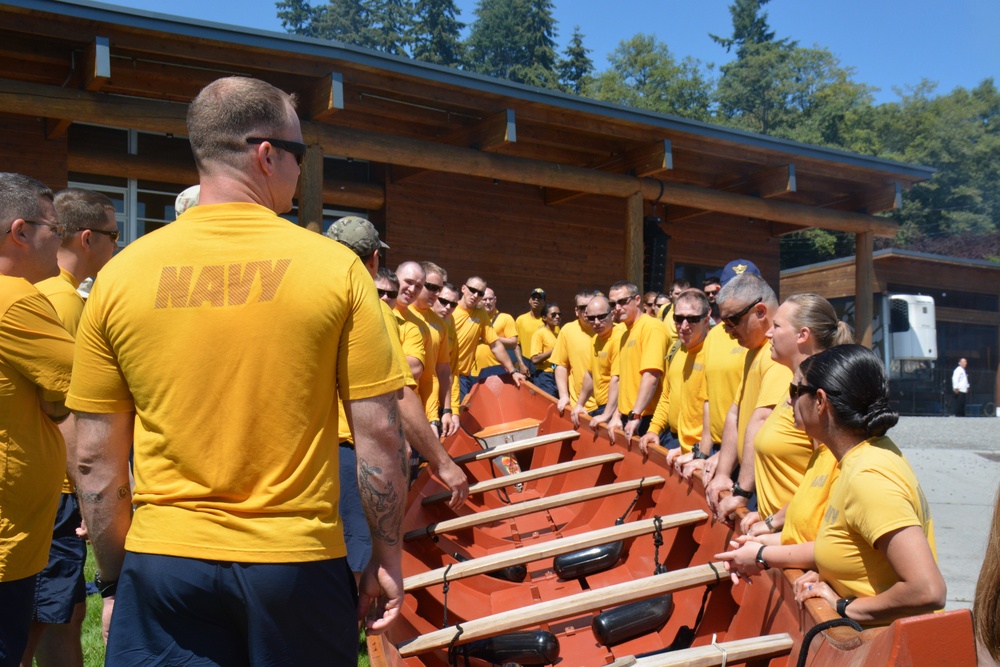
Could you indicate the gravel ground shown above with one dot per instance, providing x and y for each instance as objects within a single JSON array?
[{"x": 958, "y": 463}]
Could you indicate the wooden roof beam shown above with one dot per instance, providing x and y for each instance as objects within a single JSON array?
[
  {"x": 645, "y": 161},
  {"x": 155, "y": 116},
  {"x": 325, "y": 97},
  {"x": 765, "y": 183},
  {"x": 96, "y": 73},
  {"x": 876, "y": 200},
  {"x": 489, "y": 135}
]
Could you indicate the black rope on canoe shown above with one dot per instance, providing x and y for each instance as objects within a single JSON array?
[
  {"x": 820, "y": 627},
  {"x": 638, "y": 494},
  {"x": 447, "y": 587},
  {"x": 658, "y": 568},
  {"x": 451, "y": 646}
]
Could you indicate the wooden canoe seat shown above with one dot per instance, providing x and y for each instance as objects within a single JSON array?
[
  {"x": 508, "y": 431},
  {"x": 529, "y": 506},
  {"x": 552, "y": 610},
  {"x": 516, "y": 446},
  {"x": 530, "y": 475},
  {"x": 549, "y": 549},
  {"x": 736, "y": 651}
]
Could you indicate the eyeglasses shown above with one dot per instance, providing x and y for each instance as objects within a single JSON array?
[
  {"x": 624, "y": 300},
  {"x": 477, "y": 292},
  {"x": 733, "y": 321},
  {"x": 691, "y": 319},
  {"x": 650, "y": 304},
  {"x": 594, "y": 319},
  {"x": 555, "y": 314},
  {"x": 434, "y": 289},
  {"x": 711, "y": 292},
  {"x": 581, "y": 306},
  {"x": 294, "y": 147},
  {"x": 536, "y": 296},
  {"x": 447, "y": 304},
  {"x": 111, "y": 235},
  {"x": 391, "y": 293},
  {"x": 796, "y": 389},
  {"x": 58, "y": 228}
]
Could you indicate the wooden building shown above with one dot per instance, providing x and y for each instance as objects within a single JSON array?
[
  {"x": 525, "y": 187},
  {"x": 966, "y": 296}
]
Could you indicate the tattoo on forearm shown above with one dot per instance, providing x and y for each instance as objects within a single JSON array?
[
  {"x": 381, "y": 504},
  {"x": 90, "y": 498},
  {"x": 123, "y": 492}
]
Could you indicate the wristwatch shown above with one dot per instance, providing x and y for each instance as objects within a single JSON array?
[
  {"x": 742, "y": 493},
  {"x": 631, "y": 415},
  {"x": 842, "y": 606},
  {"x": 105, "y": 588},
  {"x": 760, "y": 559},
  {"x": 769, "y": 522},
  {"x": 696, "y": 451}
]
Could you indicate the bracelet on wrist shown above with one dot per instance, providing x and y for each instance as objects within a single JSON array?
[
  {"x": 842, "y": 606},
  {"x": 760, "y": 559},
  {"x": 741, "y": 492},
  {"x": 769, "y": 522}
]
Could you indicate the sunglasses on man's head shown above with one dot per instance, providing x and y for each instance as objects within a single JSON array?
[
  {"x": 733, "y": 321},
  {"x": 391, "y": 293},
  {"x": 692, "y": 319},
  {"x": 294, "y": 147},
  {"x": 448, "y": 304}
]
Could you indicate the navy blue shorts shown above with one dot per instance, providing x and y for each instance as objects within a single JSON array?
[
  {"x": 644, "y": 423},
  {"x": 356, "y": 533},
  {"x": 61, "y": 585},
  {"x": 668, "y": 440},
  {"x": 15, "y": 619},
  {"x": 546, "y": 382},
  {"x": 186, "y": 611}
]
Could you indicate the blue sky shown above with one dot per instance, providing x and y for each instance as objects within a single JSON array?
[{"x": 891, "y": 44}]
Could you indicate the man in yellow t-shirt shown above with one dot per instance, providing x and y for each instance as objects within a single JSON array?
[
  {"x": 680, "y": 410},
  {"x": 435, "y": 386},
  {"x": 601, "y": 379},
  {"x": 572, "y": 353},
  {"x": 527, "y": 324},
  {"x": 642, "y": 360},
  {"x": 445, "y": 306},
  {"x": 503, "y": 323},
  {"x": 411, "y": 283},
  {"x": 472, "y": 326},
  {"x": 746, "y": 306},
  {"x": 36, "y": 355},
  {"x": 219, "y": 345},
  {"x": 542, "y": 345},
  {"x": 87, "y": 244}
]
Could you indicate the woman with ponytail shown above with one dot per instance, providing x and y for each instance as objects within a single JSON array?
[{"x": 874, "y": 552}]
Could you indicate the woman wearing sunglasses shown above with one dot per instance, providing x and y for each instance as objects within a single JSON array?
[{"x": 874, "y": 552}]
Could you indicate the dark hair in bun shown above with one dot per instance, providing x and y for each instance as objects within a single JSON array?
[{"x": 856, "y": 385}]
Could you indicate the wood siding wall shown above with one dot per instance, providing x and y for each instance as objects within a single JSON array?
[
  {"x": 507, "y": 235},
  {"x": 24, "y": 149}
]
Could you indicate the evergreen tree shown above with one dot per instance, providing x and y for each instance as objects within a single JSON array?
[
  {"x": 515, "y": 40},
  {"x": 645, "y": 75},
  {"x": 749, "y": 26},
  {"x": 436, "y": 33},
  {"x": 389, "y": 27},
  {"x": 576, "y": 66}
]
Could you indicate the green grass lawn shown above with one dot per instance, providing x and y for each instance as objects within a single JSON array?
[{"x": 93, "y": 645}]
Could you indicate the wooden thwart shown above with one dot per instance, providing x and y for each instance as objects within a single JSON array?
[
  {"x": 738, "y": 650},
  {"x": 530, "y": 475},
  {"x": 517, "y": 446},
  {"x": 581, "y": 603},
  {"x": 527, "y": 507},
  {"x": 549, "y": 549}
]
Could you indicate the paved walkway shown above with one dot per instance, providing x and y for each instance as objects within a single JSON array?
[{"x": 957, "y": 461}]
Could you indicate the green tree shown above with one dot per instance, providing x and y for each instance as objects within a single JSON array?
[
  {"x": 575, "y": 66},
  {"x": 515, "y": 40},
  {"x": 390, "y": 25},
  {"x": 437, "y": 33},
  {"x": 749, "y": 27},
  {"x": 645, "y": 75},
  {"x": 341, "y": 20}
]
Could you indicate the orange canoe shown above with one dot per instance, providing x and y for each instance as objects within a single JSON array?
[{"x": 554, "y": 559}]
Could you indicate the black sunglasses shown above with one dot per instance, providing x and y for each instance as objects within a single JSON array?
[
  {"x": 624, "y": 300},
  {"x": 477, "y": 292},
  {"x": 692, "y": 319},
  {"x": 596, "y": 318},
  {"x": 796, "y": 389},
  {"x": 555, "y": 314},
  {"x": 295, "y": 148},
  {"x": 111, "y": 235},
  {"x": 447, "y": 304},
  {"x": 432, "y": 288},
  {"x": 391, "y": 293},
  {"x": 733, "y": 321}
]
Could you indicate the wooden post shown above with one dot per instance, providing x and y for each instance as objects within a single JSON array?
[
  {"x": 633, "y": 239},
  {"x": 311, "y": 187},
  {"x": 864, "y": 281}
]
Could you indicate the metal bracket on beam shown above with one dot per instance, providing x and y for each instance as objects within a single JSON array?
[{"x": 96, "y": 73}]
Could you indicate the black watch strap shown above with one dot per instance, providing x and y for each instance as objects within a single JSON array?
[
  {"x": 842, "y": 606},
  {"x": 741, "y": 492},
  {"x": 105, "y": 588},
  {"x": 760, "y": 558}
]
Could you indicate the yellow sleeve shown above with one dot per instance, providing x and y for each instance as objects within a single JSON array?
[
  {"x": 774, "y": 382},
  {"x": 35, "y": 344}
]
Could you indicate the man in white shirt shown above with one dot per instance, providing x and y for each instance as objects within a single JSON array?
[{"x": 960, "y": 385}]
